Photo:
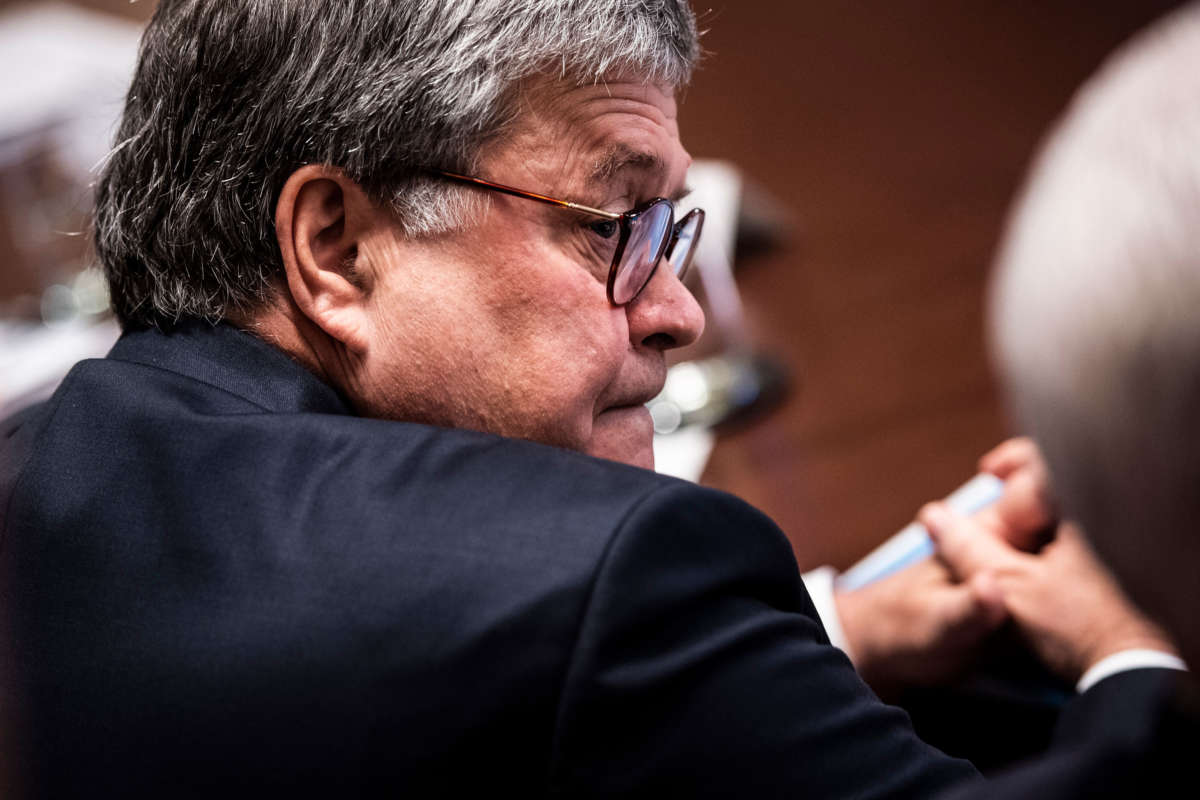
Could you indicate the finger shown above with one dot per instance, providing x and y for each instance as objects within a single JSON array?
[
  {"x": 1024, "y": 509},
  {"x": 1070, "y": 534},
  {"x": 961, "y": 543},
  {"x": 989, "y": 599},
  {"x": 972, "y": 610},
  {"x": 1071, "y": 544},
  {"x": 1009, "y": 456}
]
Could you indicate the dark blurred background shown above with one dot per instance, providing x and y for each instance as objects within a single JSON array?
[{"x": 894, "y": 134}]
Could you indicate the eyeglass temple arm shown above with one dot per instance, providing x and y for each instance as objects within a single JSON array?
[{"x": 541, "y": 198}]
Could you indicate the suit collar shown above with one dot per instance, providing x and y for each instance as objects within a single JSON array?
[{"x": 235, "y": 361}]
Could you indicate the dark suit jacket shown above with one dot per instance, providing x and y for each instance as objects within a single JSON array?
[
  {"x": 1135, "y": 734},
  {"x": 215, "y": 577}
]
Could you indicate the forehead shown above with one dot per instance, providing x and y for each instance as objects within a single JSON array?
[{"x": 573, "y": 138}]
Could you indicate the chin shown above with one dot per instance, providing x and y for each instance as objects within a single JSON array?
[{"x": 625, "y": 435}]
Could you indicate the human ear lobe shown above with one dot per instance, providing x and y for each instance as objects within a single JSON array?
[{"x": 320, "y": 220}]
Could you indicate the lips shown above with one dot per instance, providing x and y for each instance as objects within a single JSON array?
[
  {"x": 640, "y": 381},
  {"x": 635, "y": 400}
]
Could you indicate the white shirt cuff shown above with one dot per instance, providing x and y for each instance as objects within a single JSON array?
[
  {"x": 819, "y": 583},
  {"x": 1125, "y": 661}
]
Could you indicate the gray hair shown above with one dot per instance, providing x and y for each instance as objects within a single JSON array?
[
  {"x": 1096, "y": 311},
  {"x": 230, "y": 97}
]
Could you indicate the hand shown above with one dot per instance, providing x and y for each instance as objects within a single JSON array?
[
  {"x": 920, "y": 626},
  {"x": 1066, "y": 604},
  {"x": 1026, "y": 511},
  {"x": 917, "y": 627}
]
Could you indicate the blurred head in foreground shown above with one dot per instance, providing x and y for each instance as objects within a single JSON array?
[{"x": 1096, "y": 316}]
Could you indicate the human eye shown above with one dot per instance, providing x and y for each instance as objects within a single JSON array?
[
  {"x": 604, "y": 228},
  {"x": 595, "y": 241},
  {"x": 600, "y": 237}
]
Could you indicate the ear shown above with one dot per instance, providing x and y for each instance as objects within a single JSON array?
[{"x": 320, "y": 221}]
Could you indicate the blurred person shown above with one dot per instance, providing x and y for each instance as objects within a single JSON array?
[
  {"x": 340, "y": 511},
  {"x": 1097, "y": 336}
]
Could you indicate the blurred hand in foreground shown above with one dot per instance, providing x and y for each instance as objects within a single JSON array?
[
  {"x": 922, "y": 626},
  {"x": 919, "y": 626},
  {"x": 1064, "y": 601},
  {"x": 1025, "y": 512}
]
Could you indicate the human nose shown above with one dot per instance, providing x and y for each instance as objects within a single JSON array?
[{"x": 664, "y": 315}]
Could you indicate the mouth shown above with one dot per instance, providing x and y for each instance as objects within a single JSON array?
[
  {"x": 637, "y": 399},
  {"x": 625, "y": 409},
  {"x": 641, "y": 385},
  {"x": 622, "y": 428}
]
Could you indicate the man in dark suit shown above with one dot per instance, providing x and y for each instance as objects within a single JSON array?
[
  {"x": 1096, "y": 331},
  {"x": 287, "y": 534}
]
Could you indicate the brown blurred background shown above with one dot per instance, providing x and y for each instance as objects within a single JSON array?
[{"x": 895, "y": 133}]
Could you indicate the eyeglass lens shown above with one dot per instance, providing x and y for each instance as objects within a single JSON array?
[
  {"x": 679, "y": 256},
  {"x": 648, "y": 234}
]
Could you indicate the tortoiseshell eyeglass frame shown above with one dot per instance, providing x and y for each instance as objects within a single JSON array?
[{"x": 680, "y": 262}]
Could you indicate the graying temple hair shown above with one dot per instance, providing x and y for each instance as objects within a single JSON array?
[{"x": 230, "y": 97}]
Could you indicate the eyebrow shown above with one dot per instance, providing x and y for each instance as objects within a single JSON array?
[{"x": 623, "y": 158}]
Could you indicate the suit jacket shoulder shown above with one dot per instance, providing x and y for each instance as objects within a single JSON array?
[{"x": 212, "y": 569}]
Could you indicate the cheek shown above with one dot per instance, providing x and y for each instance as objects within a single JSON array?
[
  {"x": 557, "y": 305},
  {"x": 421, "y": 353},
  {"x": 570, "y": 343},
  {"x": 575, "y": 346},
  {"x": 519, "y": 341}
]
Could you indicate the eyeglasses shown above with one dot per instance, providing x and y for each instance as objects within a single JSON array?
[{"x": 644, "y": 236}]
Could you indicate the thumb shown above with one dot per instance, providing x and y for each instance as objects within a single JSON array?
[
  {"x": 962, "y": 544},
  {"x": 1009, "y": 456},
  {"x": 1024, "y": 510}
]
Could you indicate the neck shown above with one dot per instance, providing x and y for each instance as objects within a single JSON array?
[{"x": 282, "y": 325}]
